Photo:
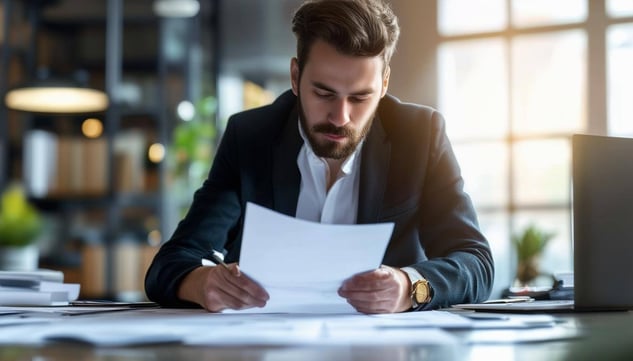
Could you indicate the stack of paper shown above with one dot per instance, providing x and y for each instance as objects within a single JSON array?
[{"x": 36, "y": 288}]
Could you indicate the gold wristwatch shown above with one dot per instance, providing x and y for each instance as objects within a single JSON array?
[{"x": 420, "y": 293}]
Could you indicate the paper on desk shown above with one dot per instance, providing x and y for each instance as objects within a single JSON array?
[
  {"x": 199, "y": 327},
  {"x": 302, "y": 264},
  {"x": 45, "y": 294}
]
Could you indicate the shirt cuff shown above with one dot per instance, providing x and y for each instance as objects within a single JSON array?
[
  {"x": 207, "y": 263},
  {"x": 413, "y": 274}
]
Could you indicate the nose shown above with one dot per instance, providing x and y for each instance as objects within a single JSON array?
[{"x": 340, "y": 112}]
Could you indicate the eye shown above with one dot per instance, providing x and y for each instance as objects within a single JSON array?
[
  {"x": 359, "y": 99},
  {"x": 323, "y": 94}
]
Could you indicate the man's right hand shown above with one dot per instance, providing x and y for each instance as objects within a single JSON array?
[{"x": 218, "y": 288}]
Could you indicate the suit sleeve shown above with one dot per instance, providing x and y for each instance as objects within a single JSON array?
[
  {"x": 212, "y": 219},
  {"x": 460, "y": 267}
]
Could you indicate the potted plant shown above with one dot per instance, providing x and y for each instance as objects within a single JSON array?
[
  {"x": 530, "y": 245},
  {"x": 20, "y": 226},
  {"x": 192, "y": 150}
]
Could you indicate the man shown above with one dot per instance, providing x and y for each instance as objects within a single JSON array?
[{"x": 336, "y": 149}]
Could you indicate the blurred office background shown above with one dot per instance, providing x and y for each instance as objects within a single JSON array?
[{"x": 514, "y": 79}]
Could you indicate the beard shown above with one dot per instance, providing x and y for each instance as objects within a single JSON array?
[{"x": 330, "y": 149}]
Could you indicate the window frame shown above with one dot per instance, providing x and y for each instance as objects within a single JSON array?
[{"x": 595, "y": 28}]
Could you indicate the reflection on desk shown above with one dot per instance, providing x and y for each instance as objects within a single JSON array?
[{"x": 169, "y": 334}]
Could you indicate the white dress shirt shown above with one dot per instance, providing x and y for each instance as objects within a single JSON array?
[{"x": 339, "y": 204}]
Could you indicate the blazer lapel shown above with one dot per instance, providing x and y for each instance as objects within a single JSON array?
[
  {"x": 373, "y": 173},
  {"x": 286, "y": 175}
]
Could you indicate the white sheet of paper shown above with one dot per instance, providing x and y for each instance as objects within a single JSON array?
[
  {"x": 302, "y": 264},
  {"x": 199, "y": 327},
  {"x": 72, "y": 289},
  {"x": 46, "y": 294}
]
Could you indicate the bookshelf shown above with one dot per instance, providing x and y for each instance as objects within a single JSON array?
[
  {"x": 101, "y": 197},
  {"x": 108, "y": 205}
]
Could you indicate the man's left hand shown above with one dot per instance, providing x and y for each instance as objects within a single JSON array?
[{"x": 384, "y": 290}]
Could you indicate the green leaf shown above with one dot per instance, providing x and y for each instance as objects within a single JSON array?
[
  {"x": 531, "y": 242},
  {"x": 20, "y": 222}
]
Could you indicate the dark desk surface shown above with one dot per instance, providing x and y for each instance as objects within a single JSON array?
[{"x": 606, "y": 336}]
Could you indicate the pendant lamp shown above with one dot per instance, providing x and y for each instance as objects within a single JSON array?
[
  {"x": 56, "y": 97},
  {"x": 176, "y": 8}
]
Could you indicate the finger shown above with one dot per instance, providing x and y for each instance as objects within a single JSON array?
[
  {"x": 368, "y": 281},
  {"x": 247, "y": 285},
  {"x": 372, "y": 307},
  {"x": 217, "y": 294},
  {"x": 220, "y": 300},
  {"x": 239, "y": 302},
  {"x": 242, "y": 292},
  {"x": 374, "y": 301},
  {"x": 375, "y": 304},
  {"x": 225, "y": 290},
  {"x": 374, "y": 296}
]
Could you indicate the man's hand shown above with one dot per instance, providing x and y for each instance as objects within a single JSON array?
[
  {"x": 218, "y": 288},
  {"x": 384, "y": 290}
]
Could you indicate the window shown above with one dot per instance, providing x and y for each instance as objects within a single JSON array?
[
  {"x": 515, "y": 82},
  {"x": 526, "y": 13},
  {"x": 455, "y": 16},
  {"x": 620, "y": 78}
]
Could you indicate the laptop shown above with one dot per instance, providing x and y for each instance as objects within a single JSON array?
[
  {"x": 602, "y": 203},
  {"x": 603, "y": 222}
]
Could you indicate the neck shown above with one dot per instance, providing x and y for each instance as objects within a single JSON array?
[{"x": 334, "y": 167}]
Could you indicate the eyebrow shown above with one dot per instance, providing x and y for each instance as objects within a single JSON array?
[{"x": 322, "y": 86}]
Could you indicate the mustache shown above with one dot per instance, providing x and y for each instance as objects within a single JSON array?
[{"x": 332, "y": 129}]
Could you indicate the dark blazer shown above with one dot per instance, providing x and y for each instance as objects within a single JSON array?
[{"x": 409, "y": 176}]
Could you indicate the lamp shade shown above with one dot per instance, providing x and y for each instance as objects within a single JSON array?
[{"x": 56, "y": 99}]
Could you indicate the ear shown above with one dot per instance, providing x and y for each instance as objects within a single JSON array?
[
  {"x": 294, "y": 75},
  {"x": 385, "y": 81}
]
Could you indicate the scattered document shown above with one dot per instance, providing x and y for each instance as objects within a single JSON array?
[
  {"x": 199, "y": 327},
  {"x": 36, "y": 288},
  {"x": 41, "y": 274},
  {"x": 504, "y": 336},
  {"x": 18, "y": 297},
  {"x": 302, "y": 263},
  {"x": 521, "y": 307}
]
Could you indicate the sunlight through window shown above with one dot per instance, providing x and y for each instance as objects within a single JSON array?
[
  {"x": 549, "y": 72},
  {"x": 619, "y": 8},
  {"x": 527, "y": 13},
  {"x": 471, "y": 16},
  {"x": 620, "y": 79},
  {"x": 513, "y": 94},
  {"x": 473, "y": 92}
]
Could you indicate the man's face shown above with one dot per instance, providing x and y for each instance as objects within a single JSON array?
[{"x": 338, "y": 96}]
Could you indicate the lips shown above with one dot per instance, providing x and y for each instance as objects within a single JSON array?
[
  {"x": 332, "y": 133},
  {"x": 334, "y": 137}
]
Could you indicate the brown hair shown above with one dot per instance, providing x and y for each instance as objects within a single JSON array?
[{"x": 353, "y": 27}]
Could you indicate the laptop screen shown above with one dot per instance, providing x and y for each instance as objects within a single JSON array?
[{"x": 603, "y": 222}]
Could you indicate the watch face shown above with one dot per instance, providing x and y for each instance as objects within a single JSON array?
[{"x": 421, "y": 291}]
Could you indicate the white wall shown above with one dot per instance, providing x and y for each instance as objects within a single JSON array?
[{"x": 413, "y": 67}]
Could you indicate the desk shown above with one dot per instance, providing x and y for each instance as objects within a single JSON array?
[{"x": 607, "y": 336}]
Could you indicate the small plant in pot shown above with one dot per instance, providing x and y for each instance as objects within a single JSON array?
[
  {"x": 20, "y": 227},
  {"x": 530, "y": 245}
]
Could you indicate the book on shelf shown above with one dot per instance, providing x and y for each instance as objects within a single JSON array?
[
  {"x": 65, "y": 165},
  {"x": 40, "y": 287}
]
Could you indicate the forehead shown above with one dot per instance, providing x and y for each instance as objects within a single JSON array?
[{"x": 325, "y": 64}]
